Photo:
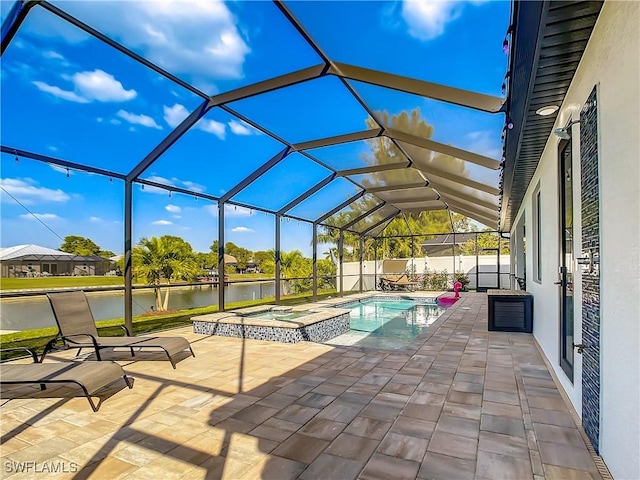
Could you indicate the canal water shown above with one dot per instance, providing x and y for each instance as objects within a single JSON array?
[{"x": 25, "y": 313}]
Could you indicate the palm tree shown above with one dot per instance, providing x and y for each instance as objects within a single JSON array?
[
  {"x": 331, "y": 255},
  {"x": 290, "y": 263},
  {"x": 293, "y": 264},
  {"x": 169, "y": 258}
]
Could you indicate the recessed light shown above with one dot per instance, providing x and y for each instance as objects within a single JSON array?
[{"x": 548, "y": 110}]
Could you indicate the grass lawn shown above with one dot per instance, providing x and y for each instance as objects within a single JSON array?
[
  {"x": 100, "y": 281},
  {"x": 53, "y": 282}
]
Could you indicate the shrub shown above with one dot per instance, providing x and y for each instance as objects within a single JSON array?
[
  {"x": 412, "y": 272},
  {"x": 437, "y": 280},
  {"x": 463, "y": 278}
]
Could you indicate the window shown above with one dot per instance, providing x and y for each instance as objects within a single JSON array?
[{"x": 537, "y": 235}]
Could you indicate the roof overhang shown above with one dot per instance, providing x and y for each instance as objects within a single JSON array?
[
  {"x": 54, "y": 258},
  {"x": 445, "y": 243},
  {"x": 549, "y": 39}
]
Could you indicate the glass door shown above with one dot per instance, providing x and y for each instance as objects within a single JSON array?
[{"x": 565, "y": 182}]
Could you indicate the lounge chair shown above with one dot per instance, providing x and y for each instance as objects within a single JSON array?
[
  {"x": 62, "y": 380},
  {"x": 403, "y": 283},
  {"x": 78, "y": 330},
  {"x": 394, "y": 276}
]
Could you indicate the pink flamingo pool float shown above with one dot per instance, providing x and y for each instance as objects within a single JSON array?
[{"x": 446, "y": 300}]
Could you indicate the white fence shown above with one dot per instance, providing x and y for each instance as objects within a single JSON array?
[{"x": 486, "y": 269}]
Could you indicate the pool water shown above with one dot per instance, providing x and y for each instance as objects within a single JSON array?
[
  {"x": 277, "y": 315},
  {"x": 388, "y": 324}
]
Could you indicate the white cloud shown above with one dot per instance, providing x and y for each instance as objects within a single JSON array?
[
  {"x": 22, "y": 70},
  {"x": 240, "y": 128},
  {"x": 115, "y": 121},
  {"x": 159, "y": 179},
  {"x": 40, "y": 216},
  {"x": 51, "y": 148},
  {"x": 427, "y": 19},
  {"x": 211, "y": 209},
  {"x": 229, "y": 210},
  {"x": 54, "y": 58},
  {"x": 89, "y": 86},
  {"x": 102, "y": 221},
  {"x": 62, "y": 170},
  {"x": 194, "y": 187},
  {"x": 235, "y": 211},
  {"x": 59, "y": 93},
  {"x": 144, "y": 120},
  {"x": 152, "y": 189},
  {"x": 484, "y": 143},
  {"x": 162, "y": 222},
  {"x": 175, "y": 115},
  {"x": 101, "y": 86},
  {"x": 53, "y": 55},
  {"x": 199, "y": 39},
  {"x": 28, "y": 192},
  {"x": 177, "y": 216},
  {"x": 211, "y": 126},
  {"x": 173, "y": 209},
  {"x": 242, "y": 230},
  {"x": 52, "y": 27}
]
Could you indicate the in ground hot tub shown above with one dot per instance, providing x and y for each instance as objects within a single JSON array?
[{"x": 274, "y": 323}]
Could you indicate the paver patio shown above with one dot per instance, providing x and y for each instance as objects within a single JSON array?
[{"x": 460, "y": 402}]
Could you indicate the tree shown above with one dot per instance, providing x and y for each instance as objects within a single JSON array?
[
  {"x": 243, "y": 256},
  {"x": 80, "y": 246},
  {"x": 326, "y": 273},
  {"x": 166, "y": 258},
  {"x": 296, "y": 271},
  {"x": 290, "y": 266},
  {"x": 385, "y": 151},
  {"x": 206, "y": 260},
  {"x": 84, "y": 247},
  {"x": 261, "y": 256},
  {"x": 214, "y": 254},
  {"x": 487, "y": 240}
]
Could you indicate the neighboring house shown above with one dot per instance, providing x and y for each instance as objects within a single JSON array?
[
  {"x": 442, "y": 245},
  {"x": 37, "y": 261},
  {"x": 572, "y": 205},
  {"x": 228, "y": 260},
  {"x": 252, "y": 267}
]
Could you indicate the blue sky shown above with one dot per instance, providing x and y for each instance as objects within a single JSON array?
[{"x": 67, "y": 95}]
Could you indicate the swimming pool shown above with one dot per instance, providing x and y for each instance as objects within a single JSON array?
[{"x": 388, "y": 324}]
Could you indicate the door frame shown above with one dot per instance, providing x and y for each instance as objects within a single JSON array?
[
  {"x": 568, "y": 368},
  {"x": 478, "y": 272}
]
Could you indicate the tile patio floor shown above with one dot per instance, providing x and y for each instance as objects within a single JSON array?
[{"x": 461, "y": 402}]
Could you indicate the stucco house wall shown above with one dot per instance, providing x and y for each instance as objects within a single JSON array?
[{"x": 611, "y": 62}]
